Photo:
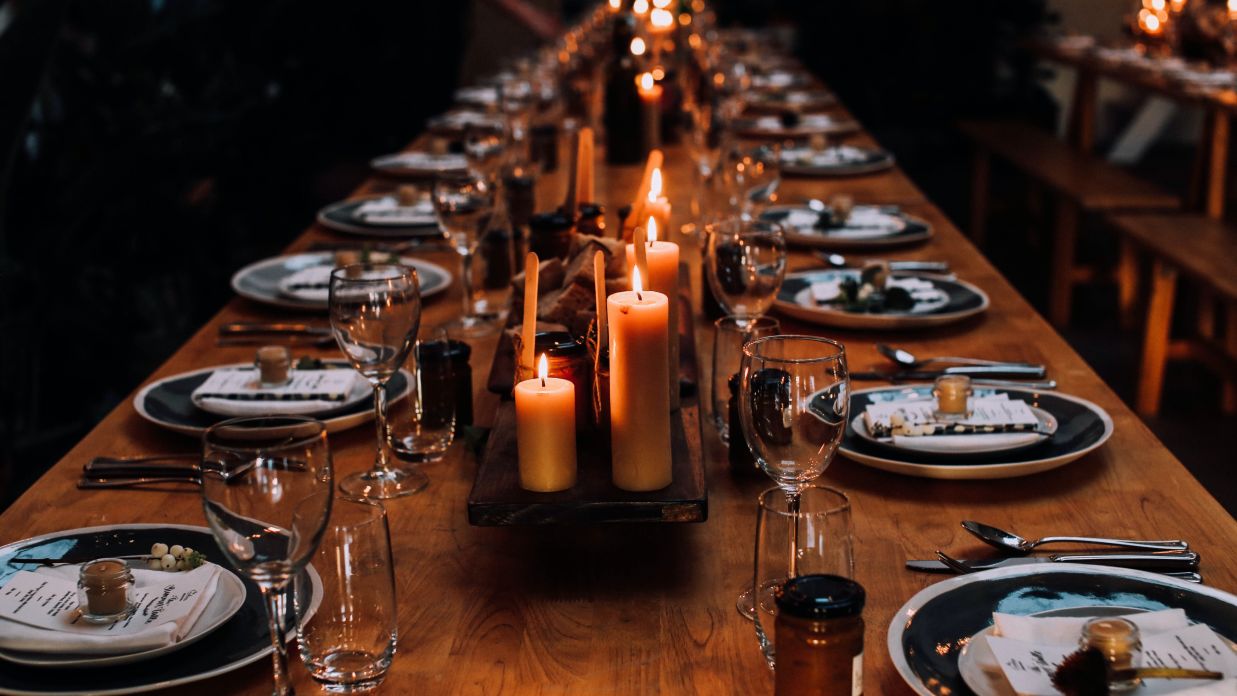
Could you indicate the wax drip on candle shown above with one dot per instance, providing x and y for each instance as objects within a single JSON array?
[
  {"x": 543, "y": 368},
  {"x": 636, "y": 285}
]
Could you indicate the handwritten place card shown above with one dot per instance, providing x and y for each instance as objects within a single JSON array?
[
  {"x": 1029, "y": 666},
  {"x": 50, "y": 602}
]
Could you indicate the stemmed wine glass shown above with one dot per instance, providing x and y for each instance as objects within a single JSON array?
[
  {"x": 794, "y": 397},
  {"x": 463, "y": 204},
  {"x": 266, "y": 491},
  {"x": 751, "y": 175},
  {"x": 375, "y": 314},
  {"x": 746, "y": 262}
]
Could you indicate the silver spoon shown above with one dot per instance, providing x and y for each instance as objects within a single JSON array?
[
  {"x": 908, "y": 359},
  {"x": 1012, "y": 543}
]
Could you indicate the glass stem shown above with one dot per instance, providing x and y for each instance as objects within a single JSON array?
[
  {"x": 275, "y": 606},
  {"x": 792, "y": 506},
  {"x": 466, "y": 284},
  {"x": 383, "y": 460}
]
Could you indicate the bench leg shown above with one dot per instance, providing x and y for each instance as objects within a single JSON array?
[
  {"x": 1061, "y": 293},
  {"x": 1155, "y": 338},
  {"x": 980, "y": 169},
  {"x": 1127, "y": 285}
]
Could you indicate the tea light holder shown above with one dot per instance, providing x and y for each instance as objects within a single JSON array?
[
  {"x": 1119, "y": 641},
  {"x": 952, "y": 393},
  {"x": 274, "y": 365},
  {"x": 105, "y": 591}
]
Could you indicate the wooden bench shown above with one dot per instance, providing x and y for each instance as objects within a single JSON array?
[
  {"x": 1204, "y": 251},
  {"x": 1081, "y": 183}
]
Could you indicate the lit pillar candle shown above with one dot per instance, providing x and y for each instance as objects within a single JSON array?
[
  {"x": 663, "y": 277},
  {"x": 545, "y": 421},
  {"x": 640, "y": 452},
  {"x": 657, "y": 205},
  {"x": 650, "y": 109}
]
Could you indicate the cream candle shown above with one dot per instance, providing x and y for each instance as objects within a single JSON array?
[
  {"x": 640, "y": 450},
  {"x": 650, "y": 109},
  {"x": 662, "y": 259},
  {"x": 545, "y": 419}
]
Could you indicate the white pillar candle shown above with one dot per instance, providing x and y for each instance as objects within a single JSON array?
[
  {"x": 663, "y": 277},
  {"x": 545, "y": 421}
]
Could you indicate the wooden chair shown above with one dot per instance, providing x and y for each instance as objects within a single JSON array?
[
  {"x": 1080, "y": 183},
  {"x": 1204, "y": 251}
]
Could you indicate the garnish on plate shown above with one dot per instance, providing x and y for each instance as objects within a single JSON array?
[
  {"x": 174, "y": 557},
  {"x": 870, "y": 293}
]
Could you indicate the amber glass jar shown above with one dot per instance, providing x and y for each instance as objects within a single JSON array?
[
  {"x": 566, "y": 358},
  {"x": 819, "y": 637}
]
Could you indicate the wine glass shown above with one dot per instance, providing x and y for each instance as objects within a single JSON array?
[
  {"x": 463, "y": 204},
  {"x": 751, "y": 175},
  {"x": 266, "y": 491},
  {"x": 746, "y": 262},
  {"x": 794, "y": 397},
  {"x": 375, "y": 314}
]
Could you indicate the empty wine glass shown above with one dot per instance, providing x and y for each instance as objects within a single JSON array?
[
  {"x": 463, "y": 204},
  {"x": 751, "y": 174},
  {"x": 794, "y": 397},
  {"x": 266, "y": 491},
  {"x": 375, "y": 314},
  {"x": 746, "y": 262}
]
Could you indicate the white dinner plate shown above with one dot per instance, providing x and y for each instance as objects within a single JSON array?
[
  {"x": 961, "y": 301},
  {"x": 259, "y": 281},
  {"x": 341, "y": 216}
]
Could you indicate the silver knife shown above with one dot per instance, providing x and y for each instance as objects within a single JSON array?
[{"x": 1183, "y": 561}]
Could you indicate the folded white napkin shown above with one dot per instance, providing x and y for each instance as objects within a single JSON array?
[
  {"x": 237, "y": 392},
  {"x": 926, "y": 295},
  {"x": 1028, "y": 649},
  {"x": 864, "y": 222},
  {"x": 388, "y": 211},
  {"x": 312, "y": 284},
  {"x": 424, "y": 161},
  {"x": 806, "y": 122},
  {"x": 162, "y": 618},
  {"x": 828, "y": 157}
]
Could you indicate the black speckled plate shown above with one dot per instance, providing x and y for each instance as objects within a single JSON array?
[
  {"x": 241, "y": 640},
  {"x": 168, "y": 403},
  {"x": 341, "y": 217},
  {"x": 1081, "y": 427},
  {"x": 794, "y": 299},
  {"x": 911, "y": 231},
  {"x": 929, "y": 631}
]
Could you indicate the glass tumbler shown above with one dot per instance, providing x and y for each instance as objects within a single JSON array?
[
  {"x": 422, "y": 426},
  {"x": 730, "y": 334},
  {"x": 818, "y": 537},
  {"x": 348, "y": 642}
]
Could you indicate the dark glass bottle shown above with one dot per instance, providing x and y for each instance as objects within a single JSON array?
[
  {"x": 444, "y": 365},
  {"x": 819, "y": 637},
  {"x": 550, "y": 235},
  {"x": 622, "y": 104}
]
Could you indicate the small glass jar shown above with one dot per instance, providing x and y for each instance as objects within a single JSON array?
[
  {"x": 549, "y": 235},
  {"x": 567, "y": 359},
  {"x": 105, "y": 591},
  {"x": 274, "y": 365},
  {"x": 952, "y": 393},
  {"x": 592, "y": 220},
  {"x": 819, "y": 635},
  {"x": 1119, "y": 641}
]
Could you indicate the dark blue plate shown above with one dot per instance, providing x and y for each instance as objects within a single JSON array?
[
  {"x": 928, "y": 633},
  {"x": 241, "y": 640}
]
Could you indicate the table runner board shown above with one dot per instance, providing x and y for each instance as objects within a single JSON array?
[
  {"x": 641, "y": 609},
  {"x": 497, "y": 499}
]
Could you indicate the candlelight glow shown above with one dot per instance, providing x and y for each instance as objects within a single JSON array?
[
  {"x": 640, "y": 7},
  {"x": 1149, "y": 22},
  {"x": 635, "y": 283},
  {"x": 646, "y": 81},
  {"x": 685, "y": 20},
  {"x": 661, "y": 19},
  {"x": 658, "y": 73},
  {"x": 661, "y": 4},
  {"x": 543, "y": 369},
  {"x": 655, "y": 178},
  {"x": 1158, "y": 5},
  {"x": 616, "y": 5},
  {"x": 652, "y": 228},
  {"x": 1232, "y": 7},
  {"x": 637, "y": 46}
]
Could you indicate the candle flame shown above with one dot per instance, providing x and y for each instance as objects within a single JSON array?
[
  {"x": 654, "y": 181},
  {"x": 635, "y": 282},
  {"x": 640, "y": 7},
  {"x": 646, "y": 81},
  {"x": 661, "y": 4},
  {"x": 661, "y": 19},
  {"x": 652, "y": 230},
  {"x": 543, "y": 369},
  {"x": 637, "y": 46},
  {"x": 616, "y": 4}
]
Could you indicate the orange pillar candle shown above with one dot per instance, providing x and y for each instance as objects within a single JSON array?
[
  {"x": 650, "y": 109},
  {"x": 640, "y": 453},
  {"x": 663, "y": 277},
  {"x": 657, "y": 206},
  {"x": 545, "y": 421}
]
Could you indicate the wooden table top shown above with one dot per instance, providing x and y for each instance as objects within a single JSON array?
[
  {"x": 644, "y": 609},
  {"x": 1136, "y": 74}
]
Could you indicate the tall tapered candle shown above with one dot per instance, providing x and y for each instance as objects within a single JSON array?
[
  {"x": 528, "y": 332},
  {"x": 545, "y": 421},
  {"x": 584, "y": 167},
  {"x": 656, "y": 204},
  {"x": 640, "y": 450},
  {"x": 650, "y": 109},
  {"x": 662, "y": 271},
  {"x": 599, "y": 286},
  {"x": 636, "y": 217}
]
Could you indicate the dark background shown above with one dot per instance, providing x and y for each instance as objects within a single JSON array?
[{"x": 148, "y": 148}]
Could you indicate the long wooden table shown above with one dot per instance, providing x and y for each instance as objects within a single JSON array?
[{"x": 645, "y": 609}]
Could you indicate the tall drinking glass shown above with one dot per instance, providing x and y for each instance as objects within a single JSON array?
[
  {"x": 348, "y": 643},
  {"x": 818, "y": 537},
  {"x": 463, "y": 204},
  {"x": 266, "y": 490},
  {"x": 375, "y": 314},
  {"x": 794, "y": 397},
  {"x": 730, "y": 334},
  {"x": 423, "y": 425},
  {"x": 745, "y": 261}
]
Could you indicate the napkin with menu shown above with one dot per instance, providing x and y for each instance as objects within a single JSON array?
[
  {"x": 995, "y": 421},
  {"x": 424, "y": 161},
  {"x": 864, "y": 221},
  {"x": 1029, "y": 649},
  {"x": 38, "y": 611},
  {"x": 237, "y": 392},
  {"x": 388, "y": 211}
]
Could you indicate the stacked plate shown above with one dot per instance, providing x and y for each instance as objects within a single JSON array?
[
  {"x": 271, "y": 281},
  {"x": 948, "y": 301},
  {"x": 381, "y": 216},
  {"x": 866, "y": 226},
  {"x": 776, "y": 127},
  {"x": 840, "y": 160}
]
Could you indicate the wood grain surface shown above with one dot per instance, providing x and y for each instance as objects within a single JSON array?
[{"x": 648, "y": 609}]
